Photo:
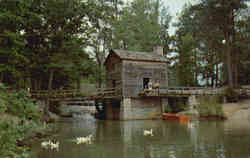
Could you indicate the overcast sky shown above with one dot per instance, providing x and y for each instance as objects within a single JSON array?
[{"x": 175, "y": 6}]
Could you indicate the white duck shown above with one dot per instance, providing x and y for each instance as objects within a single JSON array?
[
  {"x": 148, "y": 132},
  {"x": 50, "y": 144},
  {"x": 85, "y": 140},
  {"x": 54, "y": 146}
]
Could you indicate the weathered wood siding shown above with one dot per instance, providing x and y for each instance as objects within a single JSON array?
[
  {"x": 114, "y": 71},
  {"x": 133, "y": 73}
]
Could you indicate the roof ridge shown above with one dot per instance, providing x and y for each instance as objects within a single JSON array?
[{"x": 139, "y": 55}]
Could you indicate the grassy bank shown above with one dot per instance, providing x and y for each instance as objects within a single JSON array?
[{"x": 19, "y": 122}]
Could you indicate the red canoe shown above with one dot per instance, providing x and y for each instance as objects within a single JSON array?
[{"x": 168, "y": 116}]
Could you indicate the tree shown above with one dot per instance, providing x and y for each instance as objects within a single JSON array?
[
  {"x": 44, "y": 40},
  {"x": 211, "y": 22},
  {"x": 220, "y": 16},
  {"x": 138, "y": 27},
  {"x": 102, "y": 41},
  {"x": 12, "y": 42}
]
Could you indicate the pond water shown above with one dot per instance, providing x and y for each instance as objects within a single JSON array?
[{"x": 125, "y": 139}]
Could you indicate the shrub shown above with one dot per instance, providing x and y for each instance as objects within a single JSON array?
[
  {"x": 10, "y": 133},
  {"x": 231, "y": 95},
  {"x": 21, "y": 122},
  {"x": 18, "y": 103},
  {"x": 210, "y": 106},
  {"x": 168, "y": 108}
]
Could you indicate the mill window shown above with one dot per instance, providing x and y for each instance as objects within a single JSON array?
[{"x": 145, "y": 83}]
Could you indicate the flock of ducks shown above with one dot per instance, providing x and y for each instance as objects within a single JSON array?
[
  {"x": 55, "y": 145},
  {"x": 82, "y": 140}
]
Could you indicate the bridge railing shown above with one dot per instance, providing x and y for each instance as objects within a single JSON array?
[
  {"x": 182, "y": 91},
  {"x": 101, "y": 92}
]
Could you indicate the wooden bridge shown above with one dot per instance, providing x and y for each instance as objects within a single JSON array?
[
  {"x": 188, "y": 91},
  {"x": 61, "y": 94},
  {"x": 76, "y": 96}
]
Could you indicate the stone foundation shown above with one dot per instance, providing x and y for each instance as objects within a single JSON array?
[{"x": 140, "y": 108}]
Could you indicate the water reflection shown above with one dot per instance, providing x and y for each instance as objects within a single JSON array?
[{"x": 115, "y": 139}]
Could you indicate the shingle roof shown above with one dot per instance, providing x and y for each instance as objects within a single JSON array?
[{"x": 135, "y": 55}]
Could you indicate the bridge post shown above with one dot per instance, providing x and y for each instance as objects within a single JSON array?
[
  {"x": 192, "y": 102},
  {"x": 164, "y": 102},
  {"x": 126, "y": 109}
]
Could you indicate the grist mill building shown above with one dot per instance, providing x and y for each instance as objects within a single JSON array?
[{"x": 133, "y": 72}]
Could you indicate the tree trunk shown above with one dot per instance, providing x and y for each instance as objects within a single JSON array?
[
  {"x": 229, "y": 67},
  {"x": 39, "y": 84},
  {"x": 78, "y": 84},
  {"x": 51, "y": 76},
  {"x": 1, "y": 76},
  {"x": 216, "y": 75},
  {"x": 35, "y": 84}
]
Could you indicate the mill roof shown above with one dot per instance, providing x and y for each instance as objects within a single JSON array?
[{"x": 136, "y": 55}]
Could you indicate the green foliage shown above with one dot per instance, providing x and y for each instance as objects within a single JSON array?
[
  {"x": 210, "y": 106},
  {"x": 14, "y": 132},
  {"x": 168, "y": 108},
  {"x": 20, "y": 105},
  {"x": 231, "y": 95},
  {"x": 8, "y": 137},
  {"x": 10, "y": 133},
  {"x": 3, "y": 98},
  {"x": 19, "y": 121},
  {"x": 209, "y": 22},
  {"x": 44, "y": 41},
  {"x": 138, "y": 27},
  {"x": 187, "y": 63}
]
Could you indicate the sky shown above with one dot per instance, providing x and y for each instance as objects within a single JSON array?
[{"x": 175, "y": 7}]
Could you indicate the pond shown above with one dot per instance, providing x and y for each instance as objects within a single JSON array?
[{"x": 125, "y": 139}]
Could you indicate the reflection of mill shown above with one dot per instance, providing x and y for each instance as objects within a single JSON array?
[
  {"x": 100, "y": 105},
  {"x": 107, "y": 109},
  {"x": 109, "y": 137}
]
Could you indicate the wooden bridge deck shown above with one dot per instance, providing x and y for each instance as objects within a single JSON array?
[
  {"x": 181, "y": 91},
  {"x": 67, "y": 94},
  {"x": 116, "y": 93},
  {"x": 187, "y": 91}
]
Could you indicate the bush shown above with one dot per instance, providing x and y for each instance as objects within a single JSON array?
[
  {"x": 168, "y": 108},
  {"x": 231, "y": 95},
  {"x": 18, "y": 103},
  {"x": 3, "y": 98},
  {"x": 210, "y": 106},
  {"x": 10, "y": 133},
  {"x": 22, "y": 106}
]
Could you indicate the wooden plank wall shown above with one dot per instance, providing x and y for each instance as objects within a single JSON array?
[
  {"x": 133, "y": 73},
  {"x": 114, "y": 71}
]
